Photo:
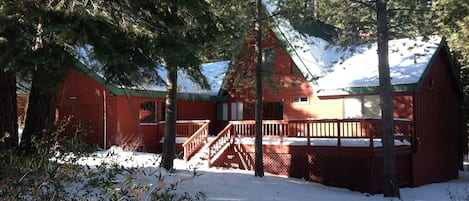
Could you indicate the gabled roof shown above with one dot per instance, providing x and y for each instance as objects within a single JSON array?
[
  {"x": 409, "y": 59},
  {"x": 214, "y": 73},
  {"x": 335, "y": 70}
]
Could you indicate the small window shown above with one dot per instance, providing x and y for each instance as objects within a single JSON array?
[
  {"x": 301, "y": 100},
  {"x": 268, "y": 58},
  {"x": 147, "y": 113}
]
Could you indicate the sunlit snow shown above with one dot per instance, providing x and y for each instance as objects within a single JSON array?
[{"x": 241, "y": 185}]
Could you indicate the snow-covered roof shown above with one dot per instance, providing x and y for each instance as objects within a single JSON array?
[
  {"x": 214, "y": 72},
  {"x": 408, "y": 59},
  {"x": 334, "y": 69}
]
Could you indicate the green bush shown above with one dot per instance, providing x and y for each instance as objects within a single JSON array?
[{"x": 53, "y": 172}]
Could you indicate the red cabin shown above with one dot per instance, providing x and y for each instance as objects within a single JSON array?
[{"x": 321, "y": 111}]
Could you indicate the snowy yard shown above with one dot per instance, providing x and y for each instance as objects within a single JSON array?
[{"x": 231, "y": 184}]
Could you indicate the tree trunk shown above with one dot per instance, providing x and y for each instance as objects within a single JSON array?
[
  {"x": 40, "y": 116},
  {"x": 259, "y": 164},
  {"x": 169, "y": 145},
  {"x": 391, "y": 182},
  {"x": 8, "y": 113}
]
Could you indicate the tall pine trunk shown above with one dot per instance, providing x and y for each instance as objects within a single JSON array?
[
  {"x": 259, "y": 164},
  {"x": 40, "y": 116},
  {"x": 391, "y": 182},
  {"x": 8, "y": 113},
  {"x": 169, "y": 144}
]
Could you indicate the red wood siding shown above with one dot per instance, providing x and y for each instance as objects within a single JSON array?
[
  {"x": 283, "y": 86},
  {"x": 88, "y": 104},
  {"x": 437, "y": 126},
  {"x": 291, "y": 84},
  {"x": 403, "y": 105},
  {"x": 122, "y": 111}
]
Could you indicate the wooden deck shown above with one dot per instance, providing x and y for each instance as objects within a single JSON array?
[
  {"x": 343, "y": 132},
  {"x": 344, "y": 153},
  {"x": 337, "y": 152}
]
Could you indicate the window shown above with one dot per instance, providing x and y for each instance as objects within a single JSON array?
[
  {"x": 222, "y": 111},
  {"x": 353, "y": 107},
  {"x": 301, "y": 100},
  {"x": 163, "y": 111},
  {"x": 371, "y": 107},
  {"x": 268, "y": 58},
  {"x": 272, "y": 110},
  {"x": 362, "y": 107},
  {"x": 237, "y": 111},
  {"x": 147, "y": 112}
]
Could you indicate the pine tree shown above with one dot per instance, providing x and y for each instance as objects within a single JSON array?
[
  {"x": 178, "y": 30},
  {"x": 47, "y": 35}
]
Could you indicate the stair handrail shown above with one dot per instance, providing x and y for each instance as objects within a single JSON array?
[
  {"x": 194, "y": 143},
  {"x": 223, "y": 138}
]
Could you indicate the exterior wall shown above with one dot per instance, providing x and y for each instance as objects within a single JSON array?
[
  {"x": 82, "y": 97},
  {"x": 122, "y": 112},
  {"x": 283, "y": 86},
  {"x": 290, "y": 84},
  {"x": 437, "y": 126}
]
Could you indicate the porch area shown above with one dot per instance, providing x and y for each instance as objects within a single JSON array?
[{"x": 336, "y": 152}]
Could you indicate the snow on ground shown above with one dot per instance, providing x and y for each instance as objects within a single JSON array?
[{"x": 232, "y": 184}]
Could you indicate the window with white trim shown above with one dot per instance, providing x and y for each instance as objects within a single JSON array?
[
  {"x": 301, "y": 100},
  {"x": 147, "y": 112}
]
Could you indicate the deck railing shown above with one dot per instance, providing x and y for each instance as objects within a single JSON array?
[
  {"x": 196, "y": 141},
  {"x": 185, "y": 128},
  {"x": 220, "y": 142},
  {"x": 324, "y": 128}
]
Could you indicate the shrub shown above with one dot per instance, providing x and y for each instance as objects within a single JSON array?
[{"x": 56, "y": 172}]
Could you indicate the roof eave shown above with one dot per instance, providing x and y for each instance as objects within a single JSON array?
[{"x": 141, "y": 92}]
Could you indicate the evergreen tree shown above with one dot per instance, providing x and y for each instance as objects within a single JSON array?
[
  {"x": 47, "y": 35},
  {"x": 178, "y": 31}
]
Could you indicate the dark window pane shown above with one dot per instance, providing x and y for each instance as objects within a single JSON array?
[{"x": 147, "y": 113}]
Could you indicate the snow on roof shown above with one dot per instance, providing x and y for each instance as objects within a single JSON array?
[
  {"x": 214, "y": 72},
  {"x": 347, "y": 67},
  {"x": 408, "y": 59}
]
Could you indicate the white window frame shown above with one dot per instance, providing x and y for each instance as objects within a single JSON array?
[{"x": 304, "y": 100}]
